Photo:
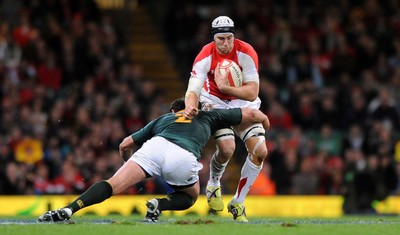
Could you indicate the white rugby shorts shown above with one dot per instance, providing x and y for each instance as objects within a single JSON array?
[
  {"x": 217, "y": 103},
  {"x": 212, "y": 102},
  {"x": 177, "y": 166}
]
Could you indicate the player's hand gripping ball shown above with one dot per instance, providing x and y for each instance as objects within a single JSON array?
[{"x": 235, "y": 76}]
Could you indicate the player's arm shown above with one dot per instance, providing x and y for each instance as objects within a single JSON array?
[
  {"x": 192, "y": 96},
  {"x": 136, "y": 139},
  {"x": 126, "y": 147},
  {"x": 250, "y": 115},
  {"x": 191, "y": 104},
  {"x": 248, "y": 91}
]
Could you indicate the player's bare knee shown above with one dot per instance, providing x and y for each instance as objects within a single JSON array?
[
  {"x": 224, "y": 155},
  {"x": 225, "y": 148},
  {"x": 257, "y": 149},
  {"x": 260, "y": 155}
]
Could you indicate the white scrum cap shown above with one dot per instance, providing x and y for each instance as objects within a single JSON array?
[{"x": 222, "y": 24}]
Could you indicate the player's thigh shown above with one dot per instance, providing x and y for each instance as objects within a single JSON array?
[
  {"x": 180, "y": 167},
  {"x": 129, "y": 174}
]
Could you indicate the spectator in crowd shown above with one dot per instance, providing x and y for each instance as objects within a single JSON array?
[
  {"x": 284, "y": 165},
  {"x": 14, "y": 180},
  {"x": 378, "y": 171},
  {"x": 305, "y": 181},
  {"x": 42, "y": 182},
  {"x": 278, "y": 114},
  {"x": 331, "y": 176},
  {"x": 328, "y": 140},
  {"x": 355, "y": 139}
]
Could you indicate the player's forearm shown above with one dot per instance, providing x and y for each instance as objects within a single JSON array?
[
  {"x": 191, "y": 99},
  {"x": 191, "y": 104},
  {"x": 248, "y": 91},
  {"x": 193, "y": 91},
  {"x": 255, "y": 116}
]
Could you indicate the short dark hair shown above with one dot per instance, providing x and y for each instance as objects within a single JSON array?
[{"x": 177, "y": 105}]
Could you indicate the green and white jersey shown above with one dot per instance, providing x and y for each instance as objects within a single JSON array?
[{"x": 190, "y": 134}]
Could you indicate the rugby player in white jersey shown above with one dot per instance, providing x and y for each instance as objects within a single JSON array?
[{"x": 209, "y": 87}]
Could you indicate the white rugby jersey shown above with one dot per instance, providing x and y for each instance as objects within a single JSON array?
[{"x": 206, "y": 62}]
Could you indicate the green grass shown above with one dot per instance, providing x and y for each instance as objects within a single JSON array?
[{"x": 210, "y": 225}]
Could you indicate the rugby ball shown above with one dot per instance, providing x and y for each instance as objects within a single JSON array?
[{"x": 235, "y": 76}]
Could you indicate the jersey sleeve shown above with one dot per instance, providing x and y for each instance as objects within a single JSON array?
[
  {"x": 144, "y": 134},
  {"x": 200, "y": 69},
  {"x": 249, "y": 69},
  {"x": 248, "y": 60},
  {"x": 227, "y": 117},
  {"x": 202, "y": 64}
]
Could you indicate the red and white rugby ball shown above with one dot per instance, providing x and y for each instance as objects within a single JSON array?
[{"x": 235, "y": 76}]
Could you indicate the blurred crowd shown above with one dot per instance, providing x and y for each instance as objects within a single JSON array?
[
  {"x": 330, "y": 84},
  {"x": 69, "y": 94}
]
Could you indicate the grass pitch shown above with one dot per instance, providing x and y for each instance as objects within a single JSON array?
[{"x": 188, "y": 225}]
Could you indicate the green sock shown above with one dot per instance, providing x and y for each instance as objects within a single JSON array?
[
  {"x": 176, "y": 201},
  {"x": 97, "y": 193}
]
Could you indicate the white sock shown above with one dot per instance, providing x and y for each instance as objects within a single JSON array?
[
  {"x": 68, "y": 210},
  {"x": 216, "y": 171},
  {"x": 248, "y": 175}
]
